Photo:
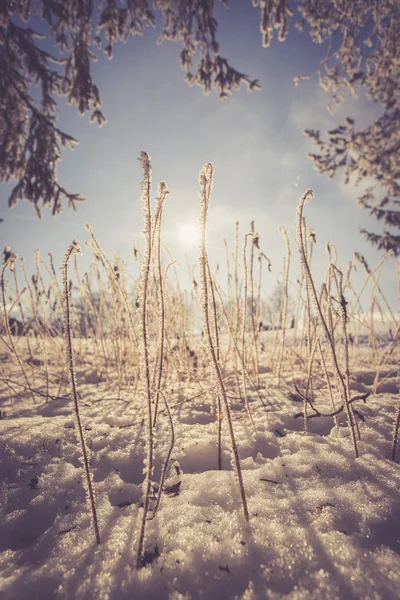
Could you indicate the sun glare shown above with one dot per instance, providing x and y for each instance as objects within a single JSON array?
[{"x": 188, "y": 234}]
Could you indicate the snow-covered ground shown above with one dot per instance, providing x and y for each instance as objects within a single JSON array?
[{"x": 322, "y": 523}]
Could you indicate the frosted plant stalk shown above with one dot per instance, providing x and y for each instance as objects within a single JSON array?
[
  {"x": 395, "y": 434},
  {"x": 205, "y": 180},
  {"x": 284, "y": 235},
  {"x": 70, "y": 359},
  {"x": 310, "y": 285},
  {"x": 171, "y": 447},
  {"x": 144, "y": 349},
  {"x": 244, "y": 323},
  {"x": 10, "y": 263},
  {"x": 253, "y": 304},
  {"x": 159, "y": 363}
]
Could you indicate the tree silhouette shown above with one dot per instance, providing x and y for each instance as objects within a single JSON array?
[{"x": 362, "y": 38}]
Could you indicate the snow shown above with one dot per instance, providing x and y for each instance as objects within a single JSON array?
[{"x": 322, "y": 523}]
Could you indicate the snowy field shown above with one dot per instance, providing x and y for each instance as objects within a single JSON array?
[
  {"x": 232, "y": 445},
  {"x": 322, "y": 523}
]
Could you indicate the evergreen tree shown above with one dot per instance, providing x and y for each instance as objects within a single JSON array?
[{"x": 362, "y": 38}]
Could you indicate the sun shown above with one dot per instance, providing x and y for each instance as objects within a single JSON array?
[{"x": 188, "y": 233}]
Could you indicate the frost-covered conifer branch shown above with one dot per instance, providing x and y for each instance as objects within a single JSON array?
[{"x": 31, "y": 143}]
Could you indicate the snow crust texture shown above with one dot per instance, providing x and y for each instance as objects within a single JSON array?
[{"x": 322, "y": 523}]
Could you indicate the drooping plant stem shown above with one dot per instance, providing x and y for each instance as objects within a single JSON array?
[
  {"x": 159, "y": 363},
  {"x": 206, "y": 177},
  {"x": 310, "y": 285}
]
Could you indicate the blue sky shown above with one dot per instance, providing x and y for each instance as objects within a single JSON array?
[{"x": 254, "y": 140}]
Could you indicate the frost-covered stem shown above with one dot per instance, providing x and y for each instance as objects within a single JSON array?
[
  {"x": 328, "y": 382},
  {"x": 159, "y": 363},
  {"x": 179, "y": 307},
  {"x": 57, "y": 294},
  {"x": 284, "y": 234},
  {"x": 99, "y": 331},
  {"x": 10, "y": 263},
  {"x": 253, "y": 306},
  {"x": 244, "y": 319},
  {"x": 12, "y": 392},
  {"x": 372, "y": 334},
  {"x": 326, "y": 290},
  {"x": 171, "y": 447},
  {"x": 237, "y": 291},
  {"x": 82, "y": 295},
  {"x": 106, "y": 311},
  {"x": 29, "y": 288},
  {"x": 385, "y": 357},
  {"x": 213, "y": 312},
  {"x": 236, "y": 343},
  {"x": 113, "y": 277},
  {"x": 45, "y": 322},
  {"x": 299, "y": 301},
  {"x": 23, "y": 319},
  {"x": 236, "y": 328},
  {"x": 219, "y": 432},
  {"x": 116, "y": 338},
  {"x": 143, "y": 347},
  {"x": 205, "y": 189},
  {"x": 234, "y": 310},
  {"x": 259, "y": 306},
  {"x": 370, "y": 275},
  {"x": 229, "y": 286},
  {"x": 166, "y": 365},
  {"x": 386, "y": 303},
  {"x": 216, "y": 346},
  {"x": 53, "y": 274},
  {"x": 338, "y": 276},
  {"x": 310, "y": 328},
  {"x": 70, "y": 359},
  {"x": 395, "y": 434},
  {"x": 310, "y": 285},
  {"x": 116, "y": 281},
  {"x": 308, "y": 385}
]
